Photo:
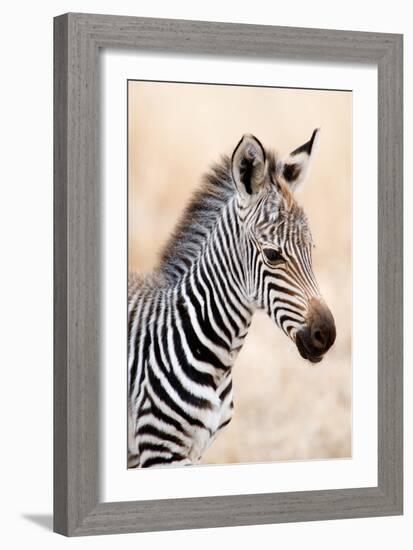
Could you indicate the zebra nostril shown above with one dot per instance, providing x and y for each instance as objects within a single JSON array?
[{"x": 319, "y": 339}]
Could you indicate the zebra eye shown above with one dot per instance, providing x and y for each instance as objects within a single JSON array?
[{"x": 273, "y": 256}]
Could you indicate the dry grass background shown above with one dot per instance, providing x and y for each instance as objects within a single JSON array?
[{"x": 285, "y": 409}]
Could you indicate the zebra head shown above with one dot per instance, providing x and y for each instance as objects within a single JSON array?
[{"x": 277, "y": 249}]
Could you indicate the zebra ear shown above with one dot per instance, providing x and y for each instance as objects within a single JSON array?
[
  {"x": 295, "y": 168},
  {"x": 248, "y": 165}
]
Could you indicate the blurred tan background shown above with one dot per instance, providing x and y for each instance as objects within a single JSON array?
[{"x": 285, "y": 408}]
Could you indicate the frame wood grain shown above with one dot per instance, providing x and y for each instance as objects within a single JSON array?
[{"x": 78, "y": 38}]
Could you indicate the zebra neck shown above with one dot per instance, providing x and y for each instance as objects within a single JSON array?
[{"x": 212, "y": 303}]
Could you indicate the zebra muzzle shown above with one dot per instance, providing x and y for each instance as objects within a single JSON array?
[{"x": 319, "y": 334}]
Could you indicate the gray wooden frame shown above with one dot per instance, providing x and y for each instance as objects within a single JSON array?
[{"x": 78, "y": 39}]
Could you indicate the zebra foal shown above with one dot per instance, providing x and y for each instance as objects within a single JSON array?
[{"x": 242, "y": 244}]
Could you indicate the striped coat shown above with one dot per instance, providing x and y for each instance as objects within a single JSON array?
[{"x": 242, "y": 244}]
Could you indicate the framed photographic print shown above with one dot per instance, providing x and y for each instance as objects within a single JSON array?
[{"x": 228, "y": 274}]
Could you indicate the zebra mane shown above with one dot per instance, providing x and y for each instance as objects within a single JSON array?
[{"x": 197, "y": 221}]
